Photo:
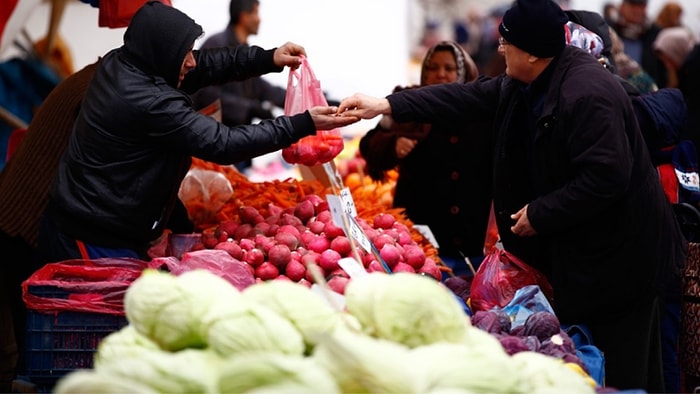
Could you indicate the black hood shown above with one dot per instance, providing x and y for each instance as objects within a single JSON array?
[{"x": 158, "y": 39}]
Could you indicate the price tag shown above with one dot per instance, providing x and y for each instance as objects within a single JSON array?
[
  {"x": 425, "y": 231},
  {"x": 348, "y": 202},
  {"x": 352, "y": 267},
  {"x": 335, "y": 205},
  {"x": 347, "y": 223},
  {"x": 360, "y": 236}
]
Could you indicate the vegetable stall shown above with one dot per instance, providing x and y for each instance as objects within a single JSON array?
[
  {"x": 272, "y": 293},
  {"x": 399, "y": 333},
  {"x": 289, "y": 285}
]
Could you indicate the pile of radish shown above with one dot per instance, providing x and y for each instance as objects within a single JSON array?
[{"x": 280, "y": 244}]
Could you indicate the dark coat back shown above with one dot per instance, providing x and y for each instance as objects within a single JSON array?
[
  {"x": 133, "y": 140},
  {"x": 607, "y": 235}
]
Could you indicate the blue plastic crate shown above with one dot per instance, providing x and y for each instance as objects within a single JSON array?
[{"x": 61, "y": 342}]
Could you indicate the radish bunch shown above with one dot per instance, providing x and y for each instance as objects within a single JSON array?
[{"x": 282, "y": 243}]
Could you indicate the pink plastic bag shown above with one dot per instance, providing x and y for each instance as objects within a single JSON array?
[
  {"x": 302, "y": 95},
  {"x": 215, "y": 261}
]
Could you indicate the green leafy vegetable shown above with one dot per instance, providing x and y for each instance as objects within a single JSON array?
[{"x": 406, "y": 308}]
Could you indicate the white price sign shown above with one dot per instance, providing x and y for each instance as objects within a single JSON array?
[
  {"x": 352, "y": 267},
  {"x": 348, "y": 202},
  {"x": 360, "y": 236},
  {"x": 342, "y": 219}
]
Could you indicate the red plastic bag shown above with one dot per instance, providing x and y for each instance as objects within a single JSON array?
[
  {"x": 499, "y": 277},
  {"x": 492, "y": 236},
  {"x": 95, "y": 285},
  {"x": 302, "y": 95}
]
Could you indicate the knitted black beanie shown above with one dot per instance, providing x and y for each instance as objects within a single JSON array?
[{"x": 535, "y": 26}]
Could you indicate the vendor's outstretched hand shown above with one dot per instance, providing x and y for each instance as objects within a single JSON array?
[
  {"x": 288, "y": 55},
  {"x": 326, "y": 118},
  {"x": 364, "y": 106}
]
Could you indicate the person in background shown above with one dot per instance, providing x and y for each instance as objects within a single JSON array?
[
  {"x": 637, "y": 34},
  {"x": 242, "y": 102},
  {"x": 610, "y": 13},
  {"x": 628, "y": 69},
  {"x": 24, "y": 189},
  {"x": 487, "y": 59},
  {"x": 444, "y": 173},
  {"x": 670, "y": 15},
  {"x": 474, "y": 20},
  {"x": 689, "y": 84},
  {"x": 132, "y": 144},
  {"x": 672, "y": 46},
  {"x": 571, "y": 173},
  {"x": 661, "y": 116}
]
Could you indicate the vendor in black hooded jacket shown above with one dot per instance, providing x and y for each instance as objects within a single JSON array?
[
  {"x": 137, "y": 131},
  {"x": 575, "y": 192}
]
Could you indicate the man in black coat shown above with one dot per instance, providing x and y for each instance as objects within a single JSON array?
[
  {"x": 133, "y": 141},
  {"x": 575, "y": 192}
]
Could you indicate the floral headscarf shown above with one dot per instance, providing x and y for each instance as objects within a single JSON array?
[{"x": 466, "y": 68}]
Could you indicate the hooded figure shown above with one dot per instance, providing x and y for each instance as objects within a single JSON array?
[
  {"x": 443, "y": 182},
  {"x": 144, "y": 44},
  {"x": 133, "y": 141}
]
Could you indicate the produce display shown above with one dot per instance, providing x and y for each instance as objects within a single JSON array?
[
  {"x": 540, "y": 333},
  {"x": 316, "y": 149},
  {"x": 399, "y": 333},
  {"x": 362, "y": 186},
  {"x": 277, "y": 228},
  {"x": 258, "y": 302}
]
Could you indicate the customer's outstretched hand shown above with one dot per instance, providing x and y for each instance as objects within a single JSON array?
[
  {"x": 363, "y": 106},
  {"x": 326, "y": 118}
]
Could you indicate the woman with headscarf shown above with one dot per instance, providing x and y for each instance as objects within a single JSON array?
[
  {"x": 444, "y": 168},
  {"x": 672, "y": 46}
]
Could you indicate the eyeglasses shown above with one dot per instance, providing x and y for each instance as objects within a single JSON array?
[{"x": 502, "y": 41}]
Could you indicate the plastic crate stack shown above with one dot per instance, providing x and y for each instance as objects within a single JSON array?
[{"x": 71, "y": 307}]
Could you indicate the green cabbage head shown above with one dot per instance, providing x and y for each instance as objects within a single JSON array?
[
  {"x": 169, "y": 309},
  {"x": 244, "y": 326},
  {"x": 308, "y": 312},
  {"x": 184, "y": 371},
  {"x": 87, "y": 381},
  {"x": 125, "y": 342},
  {"x": 478, "y": 369},
  {"x": 364, "y": 364},
  {"x": 406, "y": 308},
  {"x": 260, "y": 371},
  {"x": 540, "y": 373}
]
